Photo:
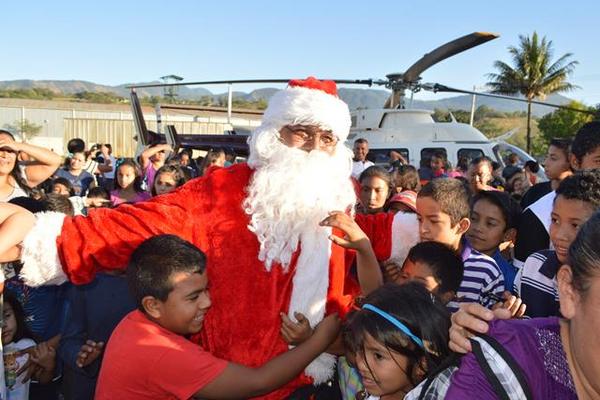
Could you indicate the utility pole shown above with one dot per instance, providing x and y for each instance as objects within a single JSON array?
[
  {"x": 472, "y": 106},
  {"x": 170, "y": 92}
]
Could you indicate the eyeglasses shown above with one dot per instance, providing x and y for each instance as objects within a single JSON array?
[{"x": 302, "y": 135}]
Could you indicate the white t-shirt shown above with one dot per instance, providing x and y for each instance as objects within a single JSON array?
[
  {"x": 359, "y": 166},
  {"x": 18, "y": 190},
  {"x": 15, "y": 388}
]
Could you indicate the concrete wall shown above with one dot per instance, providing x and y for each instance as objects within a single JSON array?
[{"x": 98, "y": 123}]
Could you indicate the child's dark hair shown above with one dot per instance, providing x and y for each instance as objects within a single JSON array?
[
  {"x": 511, "y": 210},
  {"x": 583, "y": 185},
  {"x": 376, "y": 171},
  {"x": 178, "y": 175},
  {"x": 22, "y": 331},
  {"x": 446, "y": 265},
  {"x": 533, "y": 166},
  {"x": 155, "y": 260},
  {"x": 563, "y": 144},
  {"x": 439, "y": 155},
  {"x": 59, "y": 203},
  {"x": 137, "y": 183},
  {"x": 414, "y": 307},
  {"x": 65, "y": 182},
  {"x": 98, "y": 192},
  {"x": 407, "y": 177},
  {"x": 481, "y": 159},
  {"x": 584, "y": 254},
  {"x": 28, "y": 203},
  {"x": 587, "y": 139},
  {"x": 211, "y": 157},
  {"x": 451, "y": 195}
]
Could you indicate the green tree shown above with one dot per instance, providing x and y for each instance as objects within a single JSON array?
[
  {"x": 533, "y": 74},
  {"x": 563, "y": 123},
  {"x": 26, "y": 128}
]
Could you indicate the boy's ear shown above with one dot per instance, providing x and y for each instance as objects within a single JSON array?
[
  {"x": 152, "y": 306},
  {"x": 575, "y": 165},
  {"x": 510, "y": 235},
  {"x": 569, "y": 298},
  {"x": 463, "y": 225}
]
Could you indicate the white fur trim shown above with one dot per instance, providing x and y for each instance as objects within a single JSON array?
[
  {"x": 405, "y": 234},
  {"x": 299, "y": 105},
  {"x": 309, "y": 292},
  {"x": 41, "y": 265}
]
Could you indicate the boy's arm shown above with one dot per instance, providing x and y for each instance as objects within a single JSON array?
[
  {"x": 368, "y": 270},
  {"x": 15, "y": 223},
  {"x": 237, "y": 381}
]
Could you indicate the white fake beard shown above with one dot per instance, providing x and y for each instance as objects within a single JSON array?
[{"x": 291, "y": 192}]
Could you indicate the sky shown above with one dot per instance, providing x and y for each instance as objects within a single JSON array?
[{"x": 115, "y": 42}]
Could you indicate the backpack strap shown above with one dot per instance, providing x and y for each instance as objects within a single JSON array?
[{"x": 500, "y": 368}]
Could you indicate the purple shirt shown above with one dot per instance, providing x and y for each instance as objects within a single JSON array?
[
  {"x": 536, "y": 346},
  {"x": 116, "y": 199},
  {"x": 150, "y": 174}
]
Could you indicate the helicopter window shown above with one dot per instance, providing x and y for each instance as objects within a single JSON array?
[
  {"x": 469, "y": 154},
  {"x": 382, "y": 156},
  {"x": 353, "y": 119},
  {"x": 428, "y": 152}
]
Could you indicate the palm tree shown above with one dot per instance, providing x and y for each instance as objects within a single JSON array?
[{"x": 533, "y": 74}]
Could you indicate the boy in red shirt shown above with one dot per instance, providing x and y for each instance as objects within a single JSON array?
[{"x": 148, "y": 355}]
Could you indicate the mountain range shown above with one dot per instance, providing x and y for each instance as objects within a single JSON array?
[{"x": 356, "y": 98}]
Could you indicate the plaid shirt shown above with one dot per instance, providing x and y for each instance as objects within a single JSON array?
[{"x": 436, "y": 390}]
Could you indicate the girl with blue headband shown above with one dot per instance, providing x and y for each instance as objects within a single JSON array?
[{"x": 397, "y": 337}]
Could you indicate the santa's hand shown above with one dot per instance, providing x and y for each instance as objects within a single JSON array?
[
  {"x": 295, "y": 333},
  {"x": 511, "y": 303},
  {"x": 354, "y": 237},
  {"x": 471, "y": 318},
  {"x": 327, "y": 330}
]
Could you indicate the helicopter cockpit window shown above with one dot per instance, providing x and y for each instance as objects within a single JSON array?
[
  {"x": 382, "y": 156},
  {"x": 469, "y": 154}
]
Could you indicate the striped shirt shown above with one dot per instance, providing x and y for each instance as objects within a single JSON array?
[
  {"x": 482, "y": 280},
  {"x": 536, "y": 284}
]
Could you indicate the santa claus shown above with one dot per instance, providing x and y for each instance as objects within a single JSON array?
[{"x": 258, "y": 224}]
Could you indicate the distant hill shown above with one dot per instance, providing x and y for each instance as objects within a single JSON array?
[{"x": 356, "y": 98}]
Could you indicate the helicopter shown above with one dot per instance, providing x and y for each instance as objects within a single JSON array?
[{"x": 395, "y": 127}]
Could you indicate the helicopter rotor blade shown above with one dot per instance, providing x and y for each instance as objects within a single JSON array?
[
  {"x": 368, "y": 82},
  {"x": 436, "y": 87},
  {"x": 446, "y": 50}
]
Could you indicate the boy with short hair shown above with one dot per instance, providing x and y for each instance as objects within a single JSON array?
[
  {"x": 577, "y": 198},
  {"x": 148, "y": 355},
  {"x": 436, "y": 266},
  {"x": 443, "y": 212},
  {"x": 494, "y": 219},
  {"x": 556, "y": 168}
]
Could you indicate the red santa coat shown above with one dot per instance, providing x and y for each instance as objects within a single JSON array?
[{"x": 243, "y": 323}]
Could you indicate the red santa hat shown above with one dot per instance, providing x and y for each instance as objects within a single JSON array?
[{"x": 310, "y": 102}]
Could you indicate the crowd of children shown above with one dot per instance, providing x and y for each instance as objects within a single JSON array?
[{"x": 491, "y": 246}]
